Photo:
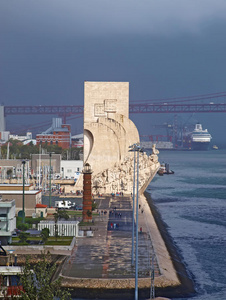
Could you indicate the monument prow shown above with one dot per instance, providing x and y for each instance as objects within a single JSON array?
[{"x": 108, "y": 134}]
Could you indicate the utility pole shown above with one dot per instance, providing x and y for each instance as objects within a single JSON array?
[
  {"x": 136, "y": 148},
  {"x": 23, "y": 219},
  {"x": 136, "y": 252},
  {"x": 39, "y": 168},
  {"x": 50, "y": 172},
  {"x": 133, "y": 149}
]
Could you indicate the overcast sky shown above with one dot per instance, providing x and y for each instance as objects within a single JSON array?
[{"x": 173, "y": 48}]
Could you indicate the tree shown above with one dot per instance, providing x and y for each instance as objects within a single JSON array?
[
  {"x": 45, "y": 234},
  {"x": 89, "y": 213},
  {"x": 23, "y": 236},
  {"x": 18, "y": 150},
  {"x": 23, "y": 226},
  {"x": 94, "y": 205},
  {"x": 38, "y": 283},
  {"x": 60, "y": 214},
  {"x": 9, "y": 173},
  {"x": 63, "y": 214}
]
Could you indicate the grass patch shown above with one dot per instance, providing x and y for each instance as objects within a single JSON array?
[
  {"x": 74, "y": 213},
  {"x": 79, "y": 213},
  {"x": 61, "y": 241},
  {"x": 18, "y": 244},
  {"x": 60, "y": 238},
  {"x": 35, "y": 238},
  {"x": 86, "y": 223}
]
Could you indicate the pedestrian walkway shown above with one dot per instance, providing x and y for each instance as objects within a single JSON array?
[{"x": 108, "y": 253}]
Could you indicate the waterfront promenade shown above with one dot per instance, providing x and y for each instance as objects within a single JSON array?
[
  {"x": 104, "y": 260},
  {"x": 108, "y": 253}
]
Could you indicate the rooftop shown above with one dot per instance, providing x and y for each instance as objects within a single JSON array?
[
  {"x": 14, "y": 184},
  {"x": 39, "y": 205},
  {"x": 18, "y": 192}
]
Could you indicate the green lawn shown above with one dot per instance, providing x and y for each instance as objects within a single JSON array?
[
  {"x": 59, "y": 242},
  {"x": 74, "y": 212},
  {"x": 63, "y": 240}
]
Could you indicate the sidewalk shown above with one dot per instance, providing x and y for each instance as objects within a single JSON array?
[{"x": 108, "y": 253}]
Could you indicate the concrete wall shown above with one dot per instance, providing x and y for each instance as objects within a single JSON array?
[
  {"x": 30, "y": 201},
  {"x": 45, "y": 161}
]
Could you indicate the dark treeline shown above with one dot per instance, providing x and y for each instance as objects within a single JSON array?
[{"x": 17, "y": 150}]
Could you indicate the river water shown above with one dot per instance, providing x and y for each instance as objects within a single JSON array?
[{"x": 192, "y": 203}]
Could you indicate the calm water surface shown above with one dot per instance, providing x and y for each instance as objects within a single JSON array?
[{"x": 192, "y": 203}]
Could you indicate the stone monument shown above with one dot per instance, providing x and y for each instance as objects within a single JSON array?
[{"x": 108, "y": 134}]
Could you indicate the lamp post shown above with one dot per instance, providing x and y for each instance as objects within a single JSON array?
[
  {"x": 135, "y": 148},
  {"x": 136, "y": 253},
  {"x": 50, "y": 155},
  {"x": 132, "y": 149},
  {"x": 23, "y": 218}
]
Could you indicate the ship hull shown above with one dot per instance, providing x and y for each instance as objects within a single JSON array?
[{"x": 200, "y": 146}]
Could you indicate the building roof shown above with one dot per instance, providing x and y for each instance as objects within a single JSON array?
[
  {"x": 33, "y": 192},
  {"x": 7, "y": 203},
  {"x": 78, "y": 136},
  {"x": 59, "y": 222},
  {"x": 15, "y": 184},
  {"x": 39, "y": 205}
]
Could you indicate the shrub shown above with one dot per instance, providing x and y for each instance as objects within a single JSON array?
[{"x": 23, "y": 226}]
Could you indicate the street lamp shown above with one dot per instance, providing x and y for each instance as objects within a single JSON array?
[
  {"x": 136, "y": 148},
  {"x": 133, "y": 149},
  {"x": 23, "y": 218},
  {"x": 50, "y": 172}
]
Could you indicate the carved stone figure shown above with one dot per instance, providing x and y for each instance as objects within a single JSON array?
[{"x": 108, "y": 133}]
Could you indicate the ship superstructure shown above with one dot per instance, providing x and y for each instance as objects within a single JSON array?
[{"x": 200, "y": 138}]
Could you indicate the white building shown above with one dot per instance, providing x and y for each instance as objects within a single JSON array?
[
  {"x": 7, "y": 220},
  {"x": 4, "y": 136},
  {"x": 21, "y": 138},
  {"x": 77, "y": 141},
  {"x": 71, "y": 169},
  {"x": 64, "y": 228}
]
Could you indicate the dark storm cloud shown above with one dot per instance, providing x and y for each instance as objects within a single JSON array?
[
  {"x": 100, "y": 17},
  {"x": 163, "y": 48}
]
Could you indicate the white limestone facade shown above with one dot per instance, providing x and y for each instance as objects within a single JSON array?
[{"x": 108, "y": 133}]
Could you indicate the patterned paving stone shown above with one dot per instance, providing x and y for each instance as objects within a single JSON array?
[{"x": 108, "y": 253}]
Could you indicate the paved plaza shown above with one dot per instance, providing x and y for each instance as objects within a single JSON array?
[{"x": 108, "y": 253}]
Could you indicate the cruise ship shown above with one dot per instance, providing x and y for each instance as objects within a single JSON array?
[{"x": 200, "y": 138}]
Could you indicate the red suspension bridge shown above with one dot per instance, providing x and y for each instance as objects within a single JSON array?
[
  {"x": 214, "y": 103},
  {"x": 65, "y": 111}
]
